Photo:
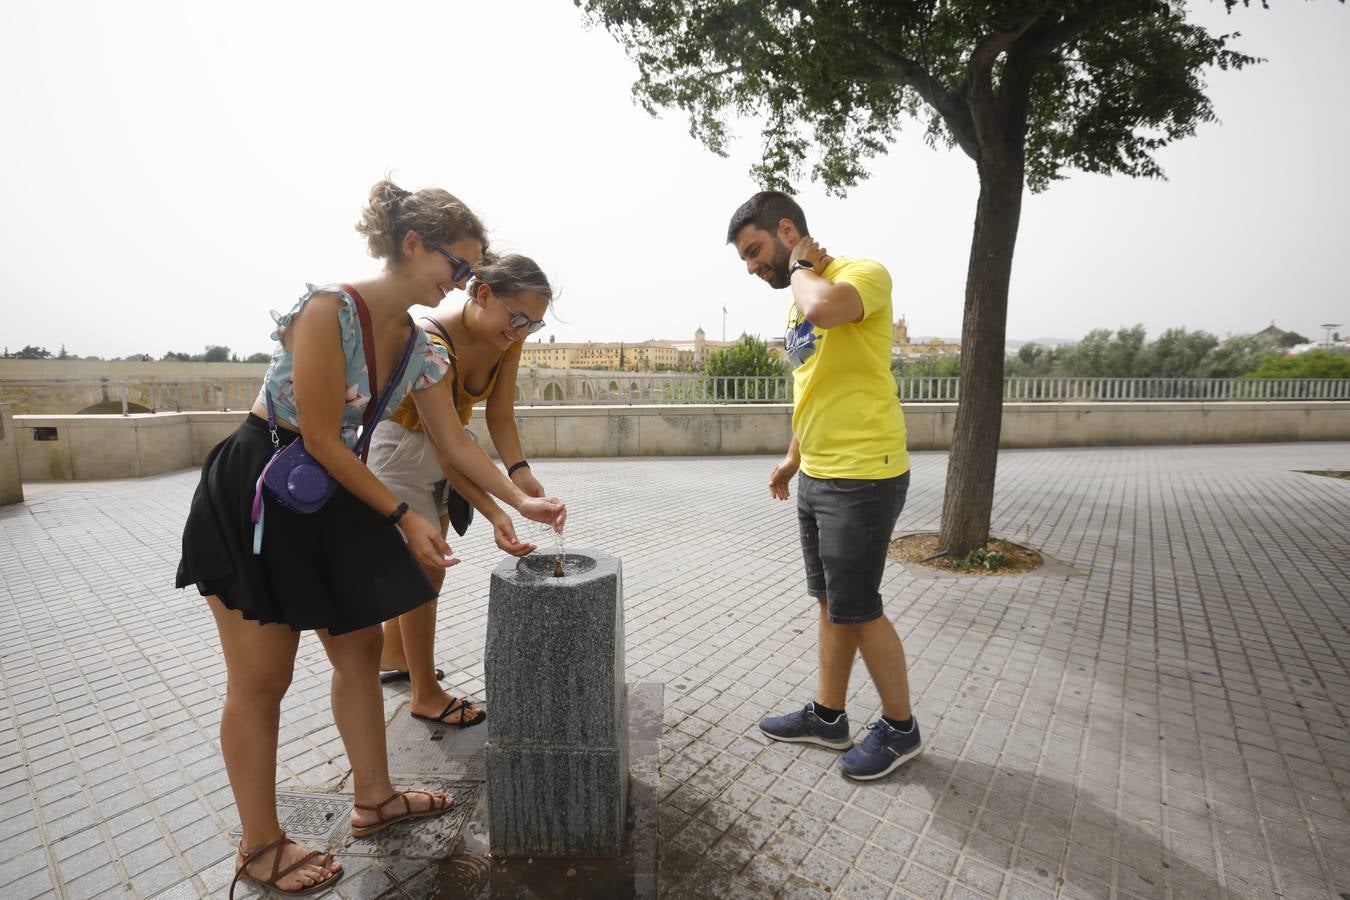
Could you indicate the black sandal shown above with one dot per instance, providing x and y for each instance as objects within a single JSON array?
[
  {"x": 456, "y": 706},
  {"x": 393, "y": 676}
]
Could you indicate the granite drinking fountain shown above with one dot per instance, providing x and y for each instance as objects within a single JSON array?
[{"x": 558, "y": 729}]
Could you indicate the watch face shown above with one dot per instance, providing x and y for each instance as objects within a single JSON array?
[{"x": 804, "y": 264}]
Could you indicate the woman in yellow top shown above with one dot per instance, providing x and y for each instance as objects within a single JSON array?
[{"x": 484, "y": 338}]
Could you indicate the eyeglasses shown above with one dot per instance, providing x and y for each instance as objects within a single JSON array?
[
  {"x": 520, "y": 320},
  {"x": 462, "y": 268}
]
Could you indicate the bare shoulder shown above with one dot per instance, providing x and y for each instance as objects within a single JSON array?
[{"x": 322, "y": 307}]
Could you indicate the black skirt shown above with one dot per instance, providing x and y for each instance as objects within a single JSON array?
[{"x": 340, "y": 568}]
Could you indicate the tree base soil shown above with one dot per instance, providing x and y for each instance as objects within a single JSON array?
[{"x": 914, "y": 549}]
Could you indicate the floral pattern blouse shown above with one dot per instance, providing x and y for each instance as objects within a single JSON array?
[{"x": 427, "y": 365}]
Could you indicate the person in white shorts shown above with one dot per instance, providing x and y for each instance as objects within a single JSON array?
[{"x": 484, "y": 339}]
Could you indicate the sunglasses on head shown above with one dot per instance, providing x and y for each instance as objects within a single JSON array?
[{"x": 462, "y": 268}]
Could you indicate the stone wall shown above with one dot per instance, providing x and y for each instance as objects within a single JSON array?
[
  {"x": 80, "y": 447},
  {"x": 11, "y": 484}
]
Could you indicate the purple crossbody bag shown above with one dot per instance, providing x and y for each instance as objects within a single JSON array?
[{"x": 293, "y": 477}]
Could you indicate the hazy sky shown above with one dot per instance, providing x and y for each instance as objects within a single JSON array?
[{"x": 174, "y": 170}]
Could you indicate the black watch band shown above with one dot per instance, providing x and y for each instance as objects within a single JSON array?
[
  {"x": 397, "y": 514},
  {"x": 511, "y": 470}
]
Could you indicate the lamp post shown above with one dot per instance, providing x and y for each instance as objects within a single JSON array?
[{"x": 1327, "y": 326}]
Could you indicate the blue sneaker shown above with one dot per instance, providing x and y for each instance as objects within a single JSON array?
[
  {"x": 805, "y": 727},
  {"x": 881, "y": 752}
]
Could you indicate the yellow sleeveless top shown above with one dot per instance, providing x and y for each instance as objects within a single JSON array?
[{"x": 406, "y": 414}]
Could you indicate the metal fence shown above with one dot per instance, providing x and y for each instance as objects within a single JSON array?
[{"x": 633, "y": 388}]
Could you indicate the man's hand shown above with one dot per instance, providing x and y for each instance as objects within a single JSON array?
[
  {"x": 806, "y": 248},
  {"x": 782, "y": 477}
]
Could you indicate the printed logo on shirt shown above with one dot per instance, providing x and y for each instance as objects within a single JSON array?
[{"x": 800, "y": 341}]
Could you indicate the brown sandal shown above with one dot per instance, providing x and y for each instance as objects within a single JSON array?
[
  {"x": 278, "y": 873},
  {"x": 408, "y": 812}
]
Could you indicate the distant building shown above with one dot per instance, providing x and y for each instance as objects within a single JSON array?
[
  {"x": 903, "y": 348},
  {"x": 1272, "y": 332},
  {"x": 641, "y": 356}
]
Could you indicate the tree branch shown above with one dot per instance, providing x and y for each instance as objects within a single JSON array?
[
  {"x": 1043, "y": 42},
  {"x": 1028, "y": 53},
  {"x": 912, "y": 74},
  {"x": 979, "y": 80}
]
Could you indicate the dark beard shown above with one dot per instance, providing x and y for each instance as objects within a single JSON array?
[{"x": 781, "y": 276}]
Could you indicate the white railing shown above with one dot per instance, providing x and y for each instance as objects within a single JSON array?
[
  {"x": 573, "y": 388},
  {"x": 1018, "y": 390}
]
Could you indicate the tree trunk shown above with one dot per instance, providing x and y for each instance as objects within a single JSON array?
[{"x": 969, "y": 499}]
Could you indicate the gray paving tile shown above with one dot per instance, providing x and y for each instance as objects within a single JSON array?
[{"x": 1174, "y": 718}]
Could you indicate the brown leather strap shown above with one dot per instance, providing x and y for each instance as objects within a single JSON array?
[
  {"x": 258, "y": 851},
  {"x": 378, "y": 399},
  {"x": 381, "y": 805},
  {"x": 367, "y": 341},
  {"x": 277, "y": 876}
]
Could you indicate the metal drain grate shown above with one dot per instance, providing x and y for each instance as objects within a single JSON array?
[{"x": 311, "y": 817}]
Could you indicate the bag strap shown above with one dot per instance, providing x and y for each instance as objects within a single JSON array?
[
  {"x": 367, "y": 343},
  {"x": 441, "y": 330},
  {"x": 454, "y": 381},
  {"x": 362, "y": 447}
]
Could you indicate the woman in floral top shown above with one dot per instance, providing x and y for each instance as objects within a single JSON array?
[{"x": 357, "y": 561}]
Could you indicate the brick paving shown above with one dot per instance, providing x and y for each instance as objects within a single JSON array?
[{"x": 1170, "y": 720}]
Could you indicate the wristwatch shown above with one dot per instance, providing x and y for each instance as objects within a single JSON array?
[{"x": 801, "y": 264}]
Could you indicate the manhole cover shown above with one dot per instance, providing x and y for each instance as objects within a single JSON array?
[
  {"x": 430, "y": 838},
  {"x": 426, "y": 749},
  {"x": 311, "y": 817}
]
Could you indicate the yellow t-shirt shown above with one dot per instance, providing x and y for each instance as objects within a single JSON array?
[{"x": 846, "y": 414}]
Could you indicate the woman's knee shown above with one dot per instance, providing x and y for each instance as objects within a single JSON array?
[
  {"x": 356, "y": 650},
  {"x": 260, "y": 685}
]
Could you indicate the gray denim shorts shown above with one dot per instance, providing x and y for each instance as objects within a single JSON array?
[{"x": 846, "y": 526}]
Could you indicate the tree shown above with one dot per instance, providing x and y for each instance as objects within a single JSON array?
[
  {"x": 1240, "y": 355},
  {"x": 930, "y": 365},
  {"x": 1292, "y": 338},
  {"x": 31, "y": 352},
  {"x": 259, "y": 357},
  {"x": 1311, "y": 364},
  {"x": 216, "y": 353},
  {"x": 1100, "y": 355},
  {"x": 748, "y": 357},
  {"x": 171, "y": 356},
  {"x": 1177, "y": 353},
  {"x": 1026, "y": 89}
]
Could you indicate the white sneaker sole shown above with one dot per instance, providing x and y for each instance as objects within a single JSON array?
[
  {"x": 811, "y": 739},
  {"x": 899, "y": 761}
]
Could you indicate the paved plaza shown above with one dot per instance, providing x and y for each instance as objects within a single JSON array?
[{"x": 1164, "y": 714}]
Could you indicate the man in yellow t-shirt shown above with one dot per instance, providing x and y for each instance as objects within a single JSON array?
[{"x": 848, "y": 442}]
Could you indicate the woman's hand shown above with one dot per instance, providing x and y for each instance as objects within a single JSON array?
[
  {"x": 524, "y": 479},
  {"x": 425, "y": 542},
  {"x": 504, "y": 533},
  {"x": 549, "y": 510}
]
